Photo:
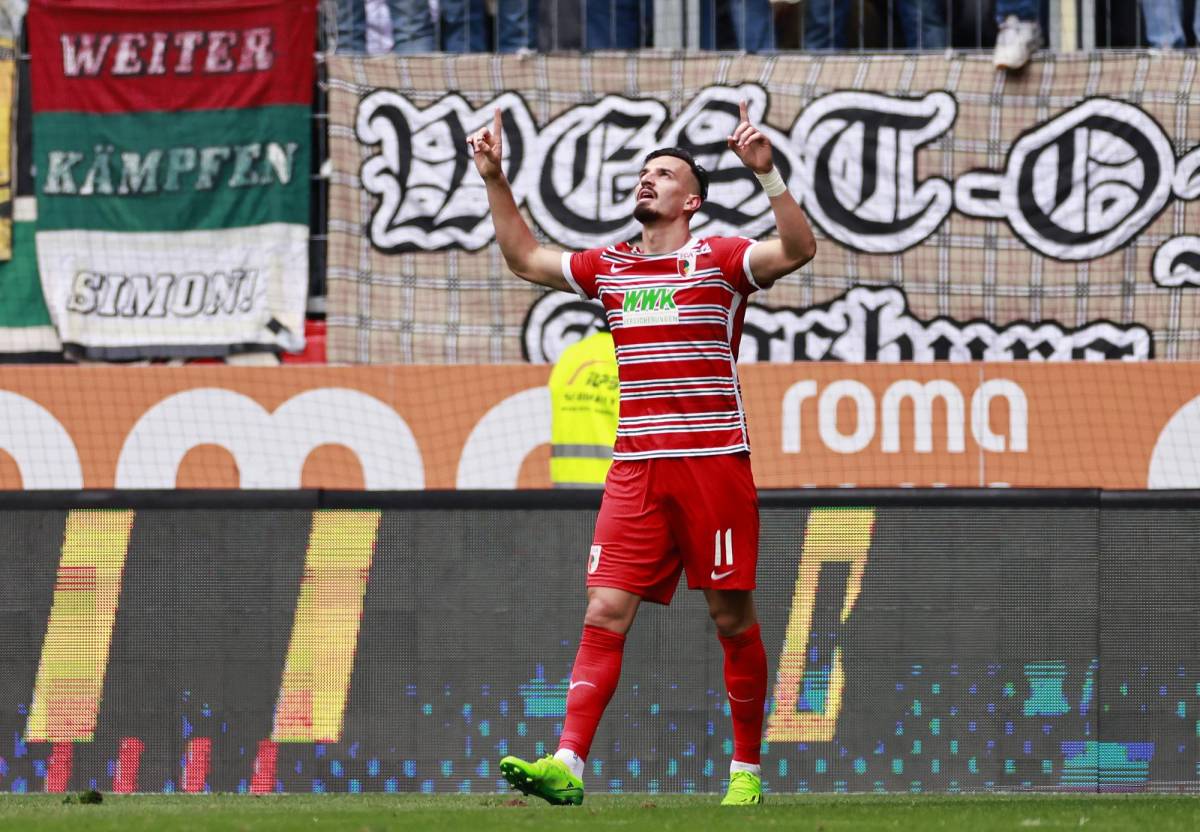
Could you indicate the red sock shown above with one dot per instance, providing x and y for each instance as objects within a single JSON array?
[
  {"x": 746, "y": 684},
  {"x": 593, "y": 680}
]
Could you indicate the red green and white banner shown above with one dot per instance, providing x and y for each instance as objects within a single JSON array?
[{"x": 173, "y": 148}]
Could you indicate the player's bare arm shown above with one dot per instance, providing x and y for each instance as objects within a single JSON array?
[
  {"x": 525, "y": 257},
  {"x": 795, "y": 245}
]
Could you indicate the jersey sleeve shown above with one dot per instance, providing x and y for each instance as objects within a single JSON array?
[
  {"x": 733, "y": 253},
  {"x": 580, "y": 269}
]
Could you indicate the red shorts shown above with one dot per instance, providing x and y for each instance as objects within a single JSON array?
[{"x": 661, "y": 516}]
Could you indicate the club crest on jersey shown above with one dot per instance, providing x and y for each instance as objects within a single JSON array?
[
  {"x": 652, "y": 306},
  {"x": 686, "y": 264}
]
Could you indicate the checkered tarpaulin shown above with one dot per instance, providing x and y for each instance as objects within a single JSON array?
[{"x": 1051, "y": 213}]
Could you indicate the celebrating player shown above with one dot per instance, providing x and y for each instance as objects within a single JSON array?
[{"x": 680, "y": 494}]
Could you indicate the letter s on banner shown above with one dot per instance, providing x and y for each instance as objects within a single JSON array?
[{"x": 270, "y": 449}]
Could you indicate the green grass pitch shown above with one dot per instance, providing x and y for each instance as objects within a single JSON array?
[{"x": 691, "y": 813}]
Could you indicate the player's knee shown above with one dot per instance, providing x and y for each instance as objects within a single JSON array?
[
  {"x": 728, "y": 621},
  {"x": 731, "y": 619},
  {"x": 608, "y": 615}
]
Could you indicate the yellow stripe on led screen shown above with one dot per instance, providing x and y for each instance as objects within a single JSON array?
[
  {"x": 320, "y": 657},
  {"x": 833, "y": 535},
  {"x": 70, "y": 677}
]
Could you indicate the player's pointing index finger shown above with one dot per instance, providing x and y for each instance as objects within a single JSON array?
[
  {"x": 743, "y": 110},
  {"x": 496, "y": 122}
]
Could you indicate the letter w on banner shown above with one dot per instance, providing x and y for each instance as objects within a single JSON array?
[{"x": 173, "y": 154}]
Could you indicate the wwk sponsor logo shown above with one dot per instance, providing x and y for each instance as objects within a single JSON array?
[{"x": 647, "y": 307}]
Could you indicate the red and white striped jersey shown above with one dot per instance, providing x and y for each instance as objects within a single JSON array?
[{"x": 676, "y": 321}]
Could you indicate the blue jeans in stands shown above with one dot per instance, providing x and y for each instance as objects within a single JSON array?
[
  {"x": 351, "y": 25},
  {"x": 464, "y": 26},
  {"x": 922, "y": 22},
  {"x": 1020, "y": 9},
  {"x": 1164, "y": 23},
  {"x": 616, "y": 24},
  {"x": 412, "y": 26},
  {"x": 825, "y": 24},
  {"x": 753, "y": 24}
]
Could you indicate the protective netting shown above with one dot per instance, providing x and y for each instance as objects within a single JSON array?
[
  {"x": 1049, "y": 214},
  {"x": 1110, "y": 425}
]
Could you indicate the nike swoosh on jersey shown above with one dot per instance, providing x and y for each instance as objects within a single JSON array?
[
  {"x": 574, "y": 685},
  {"x": 716, "y": 576},
  {"x": 619, "y": 269}
]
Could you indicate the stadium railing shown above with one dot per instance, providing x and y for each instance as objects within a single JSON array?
[{"x": 752, "y": 25}]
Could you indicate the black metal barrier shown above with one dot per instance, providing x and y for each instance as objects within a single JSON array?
[{"x": 923, "y": 641}]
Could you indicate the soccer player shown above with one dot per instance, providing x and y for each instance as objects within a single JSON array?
[{"x": 680, "y": 494}]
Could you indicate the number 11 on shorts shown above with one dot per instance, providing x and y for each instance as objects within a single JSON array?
[{"x": 719, "y": 555}]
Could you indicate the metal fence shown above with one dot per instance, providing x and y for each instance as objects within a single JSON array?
[{"x": 749, "y": 25}]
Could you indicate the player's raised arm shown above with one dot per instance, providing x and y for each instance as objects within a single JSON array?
[
  {"x": 795, "y": 245},
  {"x": 521, "y": 251}
]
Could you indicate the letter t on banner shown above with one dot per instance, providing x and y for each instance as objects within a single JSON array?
[
  {"x": 320, "y": 657},
  {"x": 833, "y": 535}
]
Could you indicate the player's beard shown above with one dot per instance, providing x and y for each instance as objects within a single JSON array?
[{"x": 645, "y": 214}]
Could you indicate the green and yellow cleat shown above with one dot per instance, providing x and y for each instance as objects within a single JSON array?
[
  {"x": 745, "y": 789},
  {"x": 548, "y": 778}
]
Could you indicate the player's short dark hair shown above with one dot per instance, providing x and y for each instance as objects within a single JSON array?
[{"x": 679, "y": 153}]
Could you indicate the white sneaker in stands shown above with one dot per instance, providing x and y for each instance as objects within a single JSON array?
[{"x": 1016, "y": 42}]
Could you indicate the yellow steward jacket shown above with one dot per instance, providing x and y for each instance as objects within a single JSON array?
[{"x": 585, "y": 397}]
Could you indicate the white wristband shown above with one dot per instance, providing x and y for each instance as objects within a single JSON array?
[{"x": 772, "y": 182}]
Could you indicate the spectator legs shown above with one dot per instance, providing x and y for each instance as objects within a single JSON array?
[
  {"x": 412, "y": 26},
  {"x": 1164, "y": 23},
  {"x": 614, "y": 24},
  {"x": 516, "y": 24},
  {"x": 464, "y": 28},
  {"x": 351, "y": 26},
  {"x": 825, "y": 24},
  {"x": 753, "y": 24},
  {"x": 923, "y": 23}
]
